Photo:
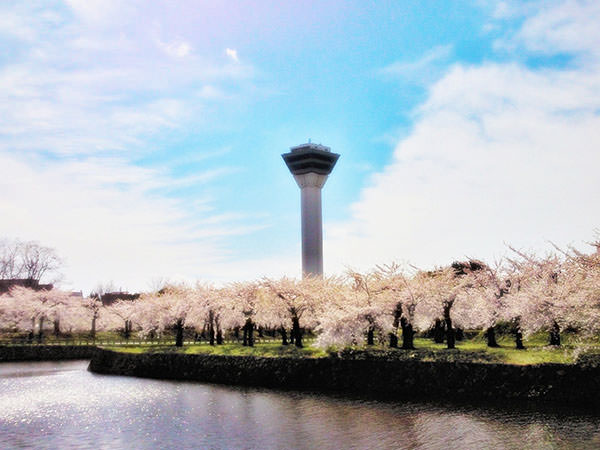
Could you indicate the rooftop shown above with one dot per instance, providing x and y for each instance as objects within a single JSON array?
[{"x": 310, "y": 146}]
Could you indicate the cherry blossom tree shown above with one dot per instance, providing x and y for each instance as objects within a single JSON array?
[
  {"x": 149, "y": 315},
  {"x": 342, "y": 321},
  {"x": 93, "y": 307},
  {"x": 487, "y": 287},
  {"x": 294, "y": 300},
  {"x": 586, "y": 300},
  {"x": 211, "y": 309},
  {"x": 125, "y": 310},
  {"x": 21, "y": 309},
  {"x": 51, "y": 305},
  {"x": 367, "y": 289},
  {"x": 548, "y": 294},
  {"x": 175, "y": 305},
  {"x": 14, "y": 315},
  {"x": 355, "y": 306},
  {"x": 245, "y": 302},
  {"x": 170, "y": 308},
  {"x": 408, "y": 293},
  {"x": 445, "y": 297},
  {"x": 40, "y": 306}
]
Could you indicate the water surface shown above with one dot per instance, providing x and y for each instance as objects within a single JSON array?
[{"x": 62, "y": 405}]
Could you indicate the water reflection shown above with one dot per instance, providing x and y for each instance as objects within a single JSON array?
[{"x": 61, "y": 405}]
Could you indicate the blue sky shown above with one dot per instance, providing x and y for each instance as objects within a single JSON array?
[{"x": 142, "y": 140}]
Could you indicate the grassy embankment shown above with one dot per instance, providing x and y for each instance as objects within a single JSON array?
[
  {"x": 76, "y": 338},
  {"x": 473, "y": 350},
  {"x": 259, "y": 349}
]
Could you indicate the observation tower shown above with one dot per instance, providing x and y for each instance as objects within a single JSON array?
[{"x": 310, "y": 165}]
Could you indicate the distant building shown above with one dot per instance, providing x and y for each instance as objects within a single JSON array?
[
  {"x": 7, "y": 284},
  {"x": 110, "y": 297}
]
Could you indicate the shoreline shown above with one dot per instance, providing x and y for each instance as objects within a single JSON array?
[
  {"x": 373, "y": 377},
  {"x": 16, "y": 353}
]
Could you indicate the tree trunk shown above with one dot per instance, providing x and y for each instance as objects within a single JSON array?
[
  {"x": 41, "y": 330},
  {"x": 260, "y": 332},
  {"x": 179, "y": 333},
  {"x": 450, "y": 337},
  {"x": 127, "y": 329},
  {"x": 459, "y": 333},
  {"x": 407, "y": 335},
  {"x": 371, "y": 335},
  {"x": 248, "y": 333},
  {"x": 555, "y": 334},
  {"x": 93, "y": 331},
  {"x": 32, "y": 332},
  {"x": 438, "y": 331},
  {"x": 211, "y": 327},
  {"x": 219, "y": 335},
  {"x": 393, "y": 340},
  {"x": 236, "y": 333},
  {"x": 490, "y": 334},
  {"x": 56, "y": 327},
  {"x": 211, "y": 333},
  {"x": 519, "y": 340},
  {"x": 396, "y": 324},
  {"x": 284, "y": 340},
  {"x": 297, "y": 332}
]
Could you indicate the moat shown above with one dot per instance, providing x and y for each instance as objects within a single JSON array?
[{"x": 62, "y": 405}]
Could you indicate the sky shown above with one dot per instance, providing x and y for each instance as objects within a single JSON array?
[{"x": 142, "y": 139}]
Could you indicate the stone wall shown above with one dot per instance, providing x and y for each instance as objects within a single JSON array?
[
  {"x": 45, "y": 352},
  {"x": 372, "y": 376}
]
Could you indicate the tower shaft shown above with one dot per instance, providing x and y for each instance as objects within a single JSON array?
[{"x": 312, "y": 231}]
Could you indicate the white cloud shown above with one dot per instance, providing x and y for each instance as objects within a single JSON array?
[
  {"x": 103, "y": 12},
  {"x": 13, "y": 25},
  {"x": 502, "y": 10},
  {"x": 90, "y": 89},
  {"x": 423, "y": 69},
  {"x": 567, "y": 26},
  {"x": 499, "y": 153},
  {"x": 233, "y": 54},
  {"x": 212, "y": 93},
  {"x": 177, "y": 49},
  {"x": 550, "y": 27}
]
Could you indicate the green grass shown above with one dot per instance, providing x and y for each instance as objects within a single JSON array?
[
  {"x": 263, "y": 349},
  {"x": 476, "y": 350},
  {"x": 49, "y": 336},
  {"x": 134, "y": 348},
  {"x": 536, "y": 352}
]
